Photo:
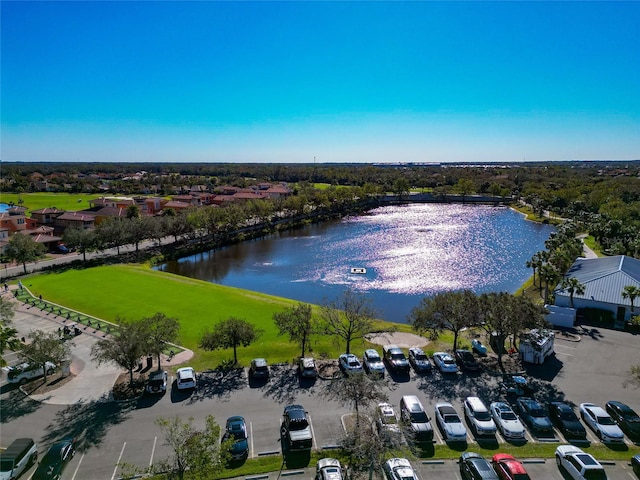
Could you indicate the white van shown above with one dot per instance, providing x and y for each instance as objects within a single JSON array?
[
  {"x": 18, "y": 456},
  {"x": 479, "y": 417}
]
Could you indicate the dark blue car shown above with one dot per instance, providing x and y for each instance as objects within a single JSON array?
[
  {"x": 236, "y": 430},
  {"x": 532, "y": 413}
]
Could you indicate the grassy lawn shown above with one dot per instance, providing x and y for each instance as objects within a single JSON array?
[
  {"x": 63, "y": 201},
  {"x": 136, "y": 291}
]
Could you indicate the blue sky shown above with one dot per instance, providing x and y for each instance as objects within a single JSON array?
[{"x": 339, "y": 81}]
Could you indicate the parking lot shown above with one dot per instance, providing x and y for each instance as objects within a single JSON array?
[{"x": 112, "y": 434}]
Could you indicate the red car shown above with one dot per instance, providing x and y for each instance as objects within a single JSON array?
[{"x": 508, "y": 468}]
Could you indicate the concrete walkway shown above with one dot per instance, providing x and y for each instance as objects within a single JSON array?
[{"x": 92, "y": 382}]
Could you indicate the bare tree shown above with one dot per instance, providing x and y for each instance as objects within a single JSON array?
[
  {"x": 350, "y": 317},
  {"x": 358, "y": 390},
  {"x": 296, "y": 321}
]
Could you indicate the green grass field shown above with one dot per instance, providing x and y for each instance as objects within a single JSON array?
[
  {"x": 136, "y": 291},
  {"x": 36, "y": 201}
]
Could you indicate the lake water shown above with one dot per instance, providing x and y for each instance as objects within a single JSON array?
[{"x": 408, "y": 252}]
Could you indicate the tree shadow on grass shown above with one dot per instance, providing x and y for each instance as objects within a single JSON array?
[
  {"x": 15, "y": 404},
  {"x": 87, "y": 423}
]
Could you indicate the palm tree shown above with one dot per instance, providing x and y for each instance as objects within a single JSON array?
[
  {"x": 573, "y": 286},
  {"x": 631, "y": 292},
  {"x": 549, "y": 274}
]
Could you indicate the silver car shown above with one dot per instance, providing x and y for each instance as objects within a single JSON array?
[
  {"x": 601, "y": 423},
  {"x": 372, "y": 362},
  {"x": 507, "y": 421},
  {"x": 450, "y": 423}
]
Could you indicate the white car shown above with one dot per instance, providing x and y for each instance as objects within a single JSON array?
[
  {"x": 601, "y": 423},
  {"x": 372, "y": 362},
  {"x": 578, "y": 464},
  {"x": 399, "y": 469},
  {"x": 349, "y": 363},
  {"x": 478, "y": 416},
  {"x": 507, "y": 421},
  {"x": 387, "y": 423},
  {"x": 445, "y": 362},
  {"x": 450, "y": 423},
  {"x": 329, "y": 469},
  {"x": 27, "y": 371},
  {"x": 185, "y": 378}
]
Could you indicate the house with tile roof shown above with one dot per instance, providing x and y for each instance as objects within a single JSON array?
[{"x": 604, "y": 280}]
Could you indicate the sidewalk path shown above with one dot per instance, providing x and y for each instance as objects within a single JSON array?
[{"x": 92, "y": 382}]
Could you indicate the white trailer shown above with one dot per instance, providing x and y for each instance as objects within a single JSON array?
[{"x": 537, "y": 345}]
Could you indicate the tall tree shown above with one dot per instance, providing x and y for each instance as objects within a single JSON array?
[
  {"x": 160, "y": 331},
  {"x": 8, "y": 334},
  {"x": 230, "y": 333},
  {"x": 297, "y": 322},
  {"x": 574, "y": 287},
  {"x": 82, "y": 239},
  {"x": 550, "y": 275},
  {"x": 631, "y": 292},
  {"x": 45, "y": 347},
  {"x": 499, "y": 316},
  {"x": 447, "y": 311},
  {"x": 24, "y": 249},
  {"x": 350, "y": 317},
  {"x": 197, "y": 451},
  {"x": 125, "y": 347}
]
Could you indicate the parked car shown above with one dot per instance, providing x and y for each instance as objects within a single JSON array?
[
  {"x": 372, "y": 362},
  {"x": 635, "y": 464},
  {"x": 507, "y": 421},
  {"x": 413, "y": 415},
  {"x": 55, "y": 460},
  {"x": 474, "y": 466},
  {"x": 26, "y": 371},
  {"x": 307, "y": 367},
  {"x": 349, "y": 363},
  {"x": 236, "y": 430},
  {"x": 157, "y": 382},
  {"x": 419, "y": 360},
  {"x": 478, "y": 416},
  {"x": 466, "y": 360},
  {"x": 532, "y": 414},
  {"x": 17, "y": 457},
  {"x": 399, "y": 469},
  {"x": 387, "y": 424},
  {"x": 563, "y": 417},
  {"x": 186, "y": 378},
  {"x": 295, "y": 429},
  {"x": 578, "y": 464},
  {"x": 626, "y": 418},
  {"x": 445, "y": 362},
  {"x": 508, "y": 468},
  {"x": 598, "y": 420},
  {"x": 450, "y": 423},
  {"x": 395, "y": 359},
  {"x": 259, "y": 368},
  {"x": 478, "y": 347},
  {"x": 329, "y": 469}
]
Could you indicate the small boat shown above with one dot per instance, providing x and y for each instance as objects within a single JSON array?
[{"x": 358, "y": 270}]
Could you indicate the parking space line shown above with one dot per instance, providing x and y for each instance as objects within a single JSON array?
[
  {"x": 153, "y": 451},
  {"x": 251, "y": 439},
  {"x": 77, "y": 468},
  {"x": 313, "y": 434},
  {"x": 115, "y": 470}
]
